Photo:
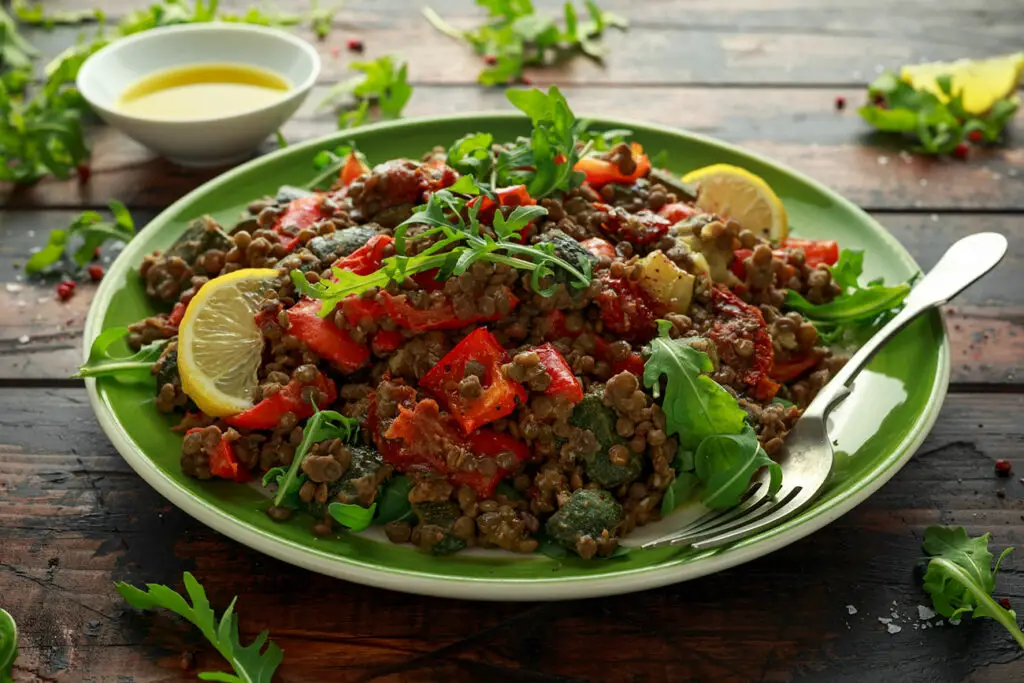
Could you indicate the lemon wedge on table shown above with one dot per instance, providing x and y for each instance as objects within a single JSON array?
[
  {"x": 736, "y": 193},
  {"x": 219, "y": 344},
  {"x": 980, "y": 81}
]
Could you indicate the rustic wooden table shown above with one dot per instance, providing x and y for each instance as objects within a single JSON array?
[{"x": 765, "y": 74}]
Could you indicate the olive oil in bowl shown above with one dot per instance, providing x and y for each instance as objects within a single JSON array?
[{"x": 202, "y": 91}]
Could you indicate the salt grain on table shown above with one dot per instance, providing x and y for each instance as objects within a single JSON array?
[
  {"x": 923, "y": 182},
  {"x": 13, "y": 287},
  {"x": 924, "y": 613},
  {"x": 23, "y": 339},
  {"x": 850, "y": 609},
  {"x": 883, "y": 160}
]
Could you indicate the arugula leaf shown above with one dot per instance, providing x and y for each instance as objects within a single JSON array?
[
  {"x": 384, "y": 82},
  {"x": 516, "y": 36},
  {"x": 393, "y": 501},
  {"x": 355, "y": 517},
  {"x": 856, "y": 306},
  {"x": 8, "y": 646},
  {"x": 136, "y": 367},
  {"x": 251, "y": 664},
  {"x": 960, "y": 580},
  {"x": 938, "y": 126},
  {"x": 330, "y": 163},
  {"x": 36, "y": 15},
  {"x": 725, "y": 464},
  {"x": 695, "y": 405},
  {"x": 324, "y": 425},
  {"x": 93, "y": 231},
  {"x": 679, "y": 491},
  {"x": 321, "y": 19}
]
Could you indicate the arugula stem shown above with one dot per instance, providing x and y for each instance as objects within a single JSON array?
[
  {"x": 110, "y": 369},
  {"x": 441, "y": 25},
  {"x": 996, "y": 612}
]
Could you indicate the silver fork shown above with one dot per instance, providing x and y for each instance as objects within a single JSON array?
[{"x": 807, "y": 455}]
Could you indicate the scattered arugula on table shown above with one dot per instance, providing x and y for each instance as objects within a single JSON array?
[
  {"x": 936, "y": 126},
  {"x": 857, "y": 307},
  {"x": 252, "y": 663},
  {"x": 32, "y": 14},
  {"x": 717, "y": 448},
  {"x": 8, "y": 646},
  {"x": 135, "y": 367},
  {"x": 384, "y": 82},
  {"x": 960, "y": 580},
  {"x": 515, "y": 36},
  {"x": 89, "y": 231}
]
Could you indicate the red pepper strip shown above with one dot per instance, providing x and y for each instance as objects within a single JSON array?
[
  {"x": 177, "y": 313},
  {"x": 267, "y": 413},
  {"x": 300, "y": 213},
  {"x": 222, "y": 460},
  {"x": 353, "y": 168},
  {"x": 633, "y": 363},
  {"x": 677, "y": 211},
  {"x": 626, "y": 309},
  {"x": 564, "y": 381},
  {"x": 734, "y": 320},
  {"x": 367, "y": 258},
  {"x": 437, "y": 318},
  {"x": 601, "y": 248},
  {"x": 427, "y": 280},
  {"x": 325, "y": 338},
  {"x": 515, "y": 195},
  {"x": 816, "y": 253},
  {"x": 489, "y": 443},
  {"x": 555, "y": 329},
  {"x": 600, "y": 172},
  {"x": 386, "y": 341},
  {"x": 500, "y": 395},
  {"x": 641, "y": 227},
  {"x": 357, "y": 309},
  {"x": 793, "y": 368}
]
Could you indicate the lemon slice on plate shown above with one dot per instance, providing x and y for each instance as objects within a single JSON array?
[
  {"x": 736, "y": 193},
  {"x": 981, "y": 81},
  {"x": 219, "y": 343}
]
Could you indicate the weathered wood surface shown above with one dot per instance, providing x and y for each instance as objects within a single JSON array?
[{"x": 74, "y": 518}]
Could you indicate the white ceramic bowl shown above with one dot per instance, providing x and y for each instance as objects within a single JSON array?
[{"x": 200, "y": 142}]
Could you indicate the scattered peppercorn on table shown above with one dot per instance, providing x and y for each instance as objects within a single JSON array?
[{"x": 841, "y": 605}]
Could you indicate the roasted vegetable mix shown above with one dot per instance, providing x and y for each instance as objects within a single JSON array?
[{"x": 501, "y": 344}]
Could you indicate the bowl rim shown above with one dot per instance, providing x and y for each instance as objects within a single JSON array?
[{"x": 297, "y": 90}]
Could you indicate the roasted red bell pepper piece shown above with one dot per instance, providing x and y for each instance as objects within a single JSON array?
[
  {"x": 816, "y": 252},
  {"x": 386, "y": 341},
  {"x": 736, "y": 320},
  {"x": 223, "y": 461},
  {"x": 515, "y": 195},
  {"x": 633, "y": 363},
  {"x": 489, "y": 443},
  {"x": 357, "y": 309},
  {"x": 367, "y": 258},
  {"x": 626, "y": 309},
  {"x": 177, "y": 313},
  {"x": 435, "y": 318},
  {"x": 677, "y": 211},
  {"x": 564, "y": 381},
  {"x": 353, "y": 168},
  {"x": 267, "y": 413},
  {"x": 555, "y": 328},
  {"x": 791, "y": 369},
  {"x": 325, "y": 338},
  {"x": 500, "y": 395},
  {"x": 601, "y": 248},
  {"x": 640, "y": 227},
  {"x": 600, "y": 172},
  {"x": 300, "y": 213}
]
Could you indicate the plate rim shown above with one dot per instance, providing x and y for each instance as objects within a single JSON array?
[{"x": 484, "y": 588}]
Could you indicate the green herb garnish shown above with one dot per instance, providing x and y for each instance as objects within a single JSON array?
[
  {"x": 393, "y": 500},
  {"x": 384, "y": 82},
  {"x": 136, "y": 367},
  {"x": 36, "y": 15},
  {"x": 251, "y": 664},
  {"x": 355, "y": 517},
  {"x": 717, "y": 447},
  {"x": 960, "y": 579},
  {"x": 8, "y": 646},
  {"x": 937, "y": 126},
  {"x": 857, "y": 306},
  {"x": 93, "y": 232},
  {"x": 516, "y": 36}
]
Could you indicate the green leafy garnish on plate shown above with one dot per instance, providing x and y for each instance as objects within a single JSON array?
[
  {"x": 960, "y": 579},
  {"x": 515, "y": 36},
  {"x": 355, "y": 517},
  {"x": 393, "y": 500},
  {"x": 92, "y": 231},
  {"x": 8, "y": 646},
  {"x": 136, "y": 367},
  {"x": 252, "y": 663}
]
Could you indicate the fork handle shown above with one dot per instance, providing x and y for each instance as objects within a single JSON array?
[{"x": 962, "y": 264}]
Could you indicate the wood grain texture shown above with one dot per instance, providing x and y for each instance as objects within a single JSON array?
[
  {"x": 73, "y": 518},
  {"x": 798, "y": 127}
]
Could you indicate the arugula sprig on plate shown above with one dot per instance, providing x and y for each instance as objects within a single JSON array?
[
  {"x": 960, "y": 579},
  {"x": 857, "y": 308},
  {"x": 516, "y": 36},
  {"x": 718, "y": 451},
  {"x": 252, "y": 663},
  {"x": 937, "y": 126},
  {"x": 138, "y": 366}
]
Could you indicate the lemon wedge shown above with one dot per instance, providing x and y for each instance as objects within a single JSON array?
[
  {"x": 736, "y": 193},
  {"x": 219, "y": 344},
  {"x": 980, "y": 81}
]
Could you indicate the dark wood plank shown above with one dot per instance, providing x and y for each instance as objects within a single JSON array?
[
  {"x": 799, "y": 127},
  {"x": 682, "y": 42},
  {"x": 74, "y": 518},
  {"x": 986, "y": 325}
]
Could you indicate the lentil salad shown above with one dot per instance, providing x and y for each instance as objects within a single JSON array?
[{"x": 499, "y": 404}]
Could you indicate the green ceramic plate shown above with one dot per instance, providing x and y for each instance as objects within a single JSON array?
[{"x": 878, "y": 428}]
